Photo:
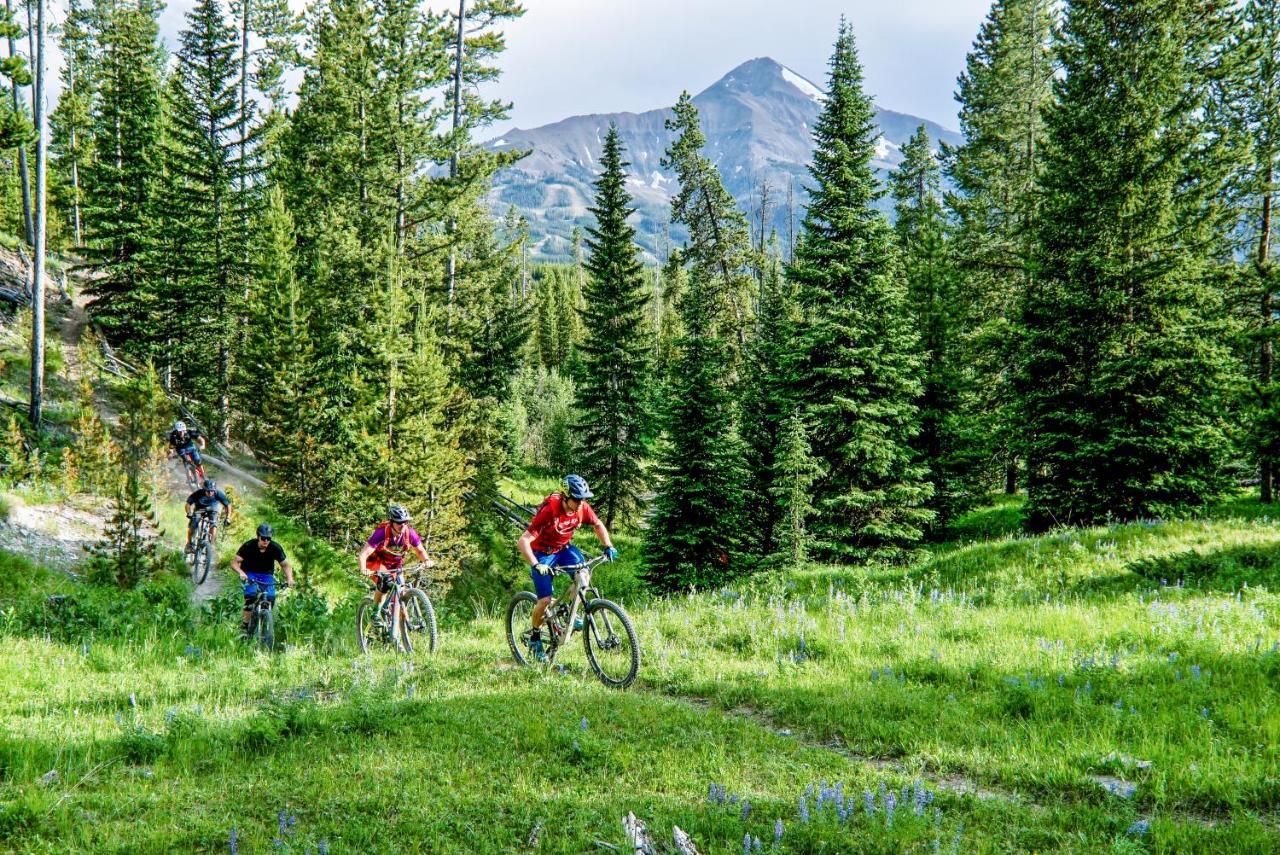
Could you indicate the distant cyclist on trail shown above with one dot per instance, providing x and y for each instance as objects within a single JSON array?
[
  {"x": 182, "y": 444},
  {"x": 385, "y": 550},
  {"x": 206, "y": 501},
  {"x": 255, "y": 564},
  {"x": 546, "y": 544}
]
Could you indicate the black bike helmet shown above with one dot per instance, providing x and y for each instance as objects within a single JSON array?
[
  {"x": 266, "y": 531},
  {"x": 397, "y": 514},
  {"x": 576, "y": 487},
  {"x": 209, "y": 486}
]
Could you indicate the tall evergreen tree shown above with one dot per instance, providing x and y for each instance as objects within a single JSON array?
[
  {"x": 612, "y": 397},
  {"x": 996, "y": 175},
  {"x": 859, "y": 368},
  {"x": 794, "y": 473},
  {"x": 1124, "y": 368},
  {"x": 72, "y": 121},
  {"x": 1256, "y": 96},
  {"x": 120, "y": 183},
  {"x": 946, "y": 441},
  {"x": 695, "y": 532}
]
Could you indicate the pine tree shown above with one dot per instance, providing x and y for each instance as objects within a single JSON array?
[
  {"x": 794, "y": 473},
  {"x": 1124, "y": 369},
  {"x": 718, "y": 250},
  {"x": 944, "y": 443},
  {"x": 120, "y": 180},
  {"x": 71, "y": 122},
  {"x": 1257, "y": 107},
  {"x": 615, "y": 350},
  {"x": 695, "y": 532},
  {"x": 859, "y": 367},
  {"x": 996, "y": 175},
  {"x": 771, "y": 395}
]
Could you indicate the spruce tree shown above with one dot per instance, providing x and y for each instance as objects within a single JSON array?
[
  {"x": 1124, "y": 368},
  {"x": 946, "y": 442},
  {"x": 696, "y": 529},
  {"x": 995, "y": 173},
  {"x": 794, "y": 472},
  {"x": 612, "y": 398},
  {"x": 120, "y": 180},
  {"x": 71, "y": 123},
  {"x": 1256, "y": 92},
  {"x": 859, "y": 368}
]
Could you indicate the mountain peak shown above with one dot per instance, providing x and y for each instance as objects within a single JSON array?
[{"x": 764, "y": 75}]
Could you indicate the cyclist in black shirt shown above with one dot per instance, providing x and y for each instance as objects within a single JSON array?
[
  {"x": 206, "y": 501},
  {"x": 255, "y": 564}
]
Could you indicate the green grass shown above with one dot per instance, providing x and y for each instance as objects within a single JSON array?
[{"x": 1017, "y": 670}]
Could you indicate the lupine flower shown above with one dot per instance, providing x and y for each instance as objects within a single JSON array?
[
  {"x": 1139, "y": 828},
  {"x": 233, "y": 847},
  {"x": 584, "y": 723},
  {"x": 1204, "y": 712},
  {"x": 323, "y": 847},
  {"x": 890, "y": 802},
  {"x": 133, "y": 700},
  {"x": 409, "y": 691},
  {"x": 804, "y": 810},
  {"x": 169, "y": 715},
  {"x": 746, "y": 809},
  {"x": 283, "y": 823},
  {"x": 746, "y": 845},
  {"x": 777, "y": 831},
  {"x": 1195, "y": 671},
  {"x": 868, "y": 802},
  {"x": 757, "y": 845}
]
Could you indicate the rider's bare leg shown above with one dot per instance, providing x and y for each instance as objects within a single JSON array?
[{"x": 540, "y": 609}]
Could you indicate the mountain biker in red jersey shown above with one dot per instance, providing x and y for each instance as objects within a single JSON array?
[{"x": 546, "y": 544}]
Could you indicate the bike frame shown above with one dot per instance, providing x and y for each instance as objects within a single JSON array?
[
  {"x": 393, "y": 596},
  {"x": 578, "y": 573}
]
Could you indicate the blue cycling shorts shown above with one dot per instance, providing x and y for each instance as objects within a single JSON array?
[
  {"x": 192, "y": 452},
  {"x": 259, "y": 582},
  {"x": 566, "y": 557}
]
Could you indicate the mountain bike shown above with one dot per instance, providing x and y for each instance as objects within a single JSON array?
[
  {"x": 405, "y": 619},
  {"x": 262, "y": 627},
  {"x": 607, "y": 633},
  {"x": 201, "y": 555},
  {"x": 194, "y": 471}
]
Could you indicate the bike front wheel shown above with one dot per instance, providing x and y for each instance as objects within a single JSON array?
[
  {"x": 267, "y": 629},
  {"x": 203, "y": 559},
  {"x": 520, "y": 627},
  {"x": 418, "y": 620},
  {"x": 373, "y": 633},
  {"x": 612, "y": 647}
]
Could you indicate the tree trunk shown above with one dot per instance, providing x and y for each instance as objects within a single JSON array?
[
  {"x": 1265, "y": 347},
  {"x": 1011, "y": 479},
  {"x": 37, "y": 277},
  {"x": 75, "y": 157}
]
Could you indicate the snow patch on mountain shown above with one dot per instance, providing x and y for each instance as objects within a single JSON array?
[{"x": 803, "y": 85}]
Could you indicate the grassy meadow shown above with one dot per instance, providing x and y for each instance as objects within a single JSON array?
[{"x": 1105, "y": 690}]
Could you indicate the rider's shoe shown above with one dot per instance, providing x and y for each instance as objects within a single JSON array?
[
  {"x": 535, "y": 647},
  {"x": 577, "y": 624}
]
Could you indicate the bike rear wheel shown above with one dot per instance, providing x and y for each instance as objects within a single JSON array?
[
  {"x": 520, "y": 627},
  {"x": 418, "y": 619},
  {"x": 612, "y": 647}
]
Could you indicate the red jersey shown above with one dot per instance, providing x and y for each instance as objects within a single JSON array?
[{"x": 553, "y": 526}]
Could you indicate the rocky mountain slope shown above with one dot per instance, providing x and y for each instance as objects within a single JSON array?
[{"x": 758, "y": 120}]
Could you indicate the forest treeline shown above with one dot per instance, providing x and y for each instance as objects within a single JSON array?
[{"x": 1078, "y": 301}]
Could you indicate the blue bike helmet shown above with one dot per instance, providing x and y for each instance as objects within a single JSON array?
[
  {"x": 576, "y": 487},
  {"x": 266, "y": 531},
  {"x": 398, "y": 514},
  {"x": 209, "y": 485}
]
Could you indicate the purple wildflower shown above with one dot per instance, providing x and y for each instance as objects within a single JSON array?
[
  {"x": 757, "y": 845},
  {"x": 746, "y": 844},
  {"x": 890, "y": 802},
  {"x": 1139, "y": 828},
  {"x": 282, "y": 821},
  {"x": 746, "y": 810},
  {"x": 584, "y": 723},
  {"x": 777, "y": 831},
  {"x": 804, "y": 810},
  {"x": 1195, "y": 671},
  {"x": 323, "y": 847},
  {"x": 869, "y": 802},
  {"x": 234, "y": 848}
]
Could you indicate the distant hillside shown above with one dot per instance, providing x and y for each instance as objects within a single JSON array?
[{"x": 758, "y": 120}]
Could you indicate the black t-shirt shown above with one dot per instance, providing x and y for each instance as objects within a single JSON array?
[
  {"x": 181, "y": 439},
  {"x": 255, "y": 560}
]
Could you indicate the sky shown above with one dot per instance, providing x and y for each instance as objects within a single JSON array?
[{"x": 569, "y": 57}]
